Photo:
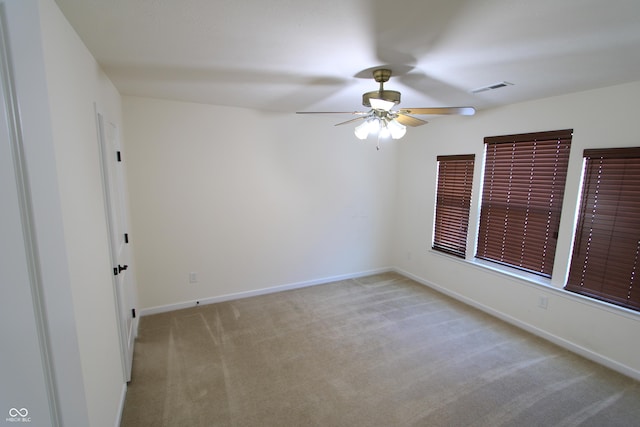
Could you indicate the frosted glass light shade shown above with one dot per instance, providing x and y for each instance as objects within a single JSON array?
[
  {"x": 362, "y": 130},
  {"x": 381, "y": 104},
  {"x": 370, "y": 127},
  {"x": 396, "y": 129},
  {"x": 384, "y": 132},
  {"x": 383, "y": 128}
]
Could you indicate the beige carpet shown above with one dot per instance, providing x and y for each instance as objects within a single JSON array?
[{"x": 376, "y": 351}]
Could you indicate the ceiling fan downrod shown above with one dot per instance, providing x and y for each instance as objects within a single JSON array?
[{"x": 381, "y": 75}]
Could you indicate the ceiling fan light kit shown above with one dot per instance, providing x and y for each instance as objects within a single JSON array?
[
  {"x": 382, "y": 125},
  {"x": 382, "y": 121}
]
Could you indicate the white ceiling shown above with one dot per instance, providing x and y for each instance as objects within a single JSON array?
[{"x": 310, "y": 55}]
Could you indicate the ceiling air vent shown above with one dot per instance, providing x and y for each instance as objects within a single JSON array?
[{"x": 491, "y": 87}]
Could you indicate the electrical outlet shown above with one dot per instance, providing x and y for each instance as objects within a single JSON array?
[
  {"x": 193, "y": 277},
  {"x": 543, "y": 302}
]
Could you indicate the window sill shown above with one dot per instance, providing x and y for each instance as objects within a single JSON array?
[
  {"x": 534, "y": 280},
  {"x": 499, "y": 269},
  {"x": 512, "y": 272}
]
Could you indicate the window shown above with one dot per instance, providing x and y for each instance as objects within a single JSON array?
[
  {"x": 453, "y": 199},
  {"x": 607, "y": 242},
  {"x": 522, "y": 195}
]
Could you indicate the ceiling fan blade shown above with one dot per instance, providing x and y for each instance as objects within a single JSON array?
[
  {"x": 410, "y": 121},
  {"x": 332, "y": 112},
  {"x": 350, "y": 121},
  {"x": 463, "y": 111}
]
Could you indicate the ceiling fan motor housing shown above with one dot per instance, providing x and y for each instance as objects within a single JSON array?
[{"x": 386, "y": 95}]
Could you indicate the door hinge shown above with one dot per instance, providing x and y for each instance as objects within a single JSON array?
[
  {"x": 115, "y": 271},
  {"x": 118, "y": 156},
  {"x": 133, "y": 312},
  {"x": 126, "y": 237}
]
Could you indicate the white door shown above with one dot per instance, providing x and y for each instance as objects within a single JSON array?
[{"x": 113, "y": 178}]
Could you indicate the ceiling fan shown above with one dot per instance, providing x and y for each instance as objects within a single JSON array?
[{"x": 381, "y": 120}]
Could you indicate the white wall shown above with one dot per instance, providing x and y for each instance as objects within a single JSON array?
[
  {"x": 250, "y": 200},
  {"x": 600, "y": 118},
  {"x": 75, "y": 82}
]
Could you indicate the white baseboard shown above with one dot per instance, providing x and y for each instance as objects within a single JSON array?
[
  {"x": 573, "y": 347},
  {"x": 263, "y": 291},
  {"x": 123, "y": 396}
]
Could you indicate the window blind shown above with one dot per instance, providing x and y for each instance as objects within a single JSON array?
[
  {"x": 453, "y": 199},
  {"x": 607, "y": 242},
  {"x": 524, "y": 179}
]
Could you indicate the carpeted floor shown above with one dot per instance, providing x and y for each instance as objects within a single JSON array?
[{"x": 377, "y": 351}]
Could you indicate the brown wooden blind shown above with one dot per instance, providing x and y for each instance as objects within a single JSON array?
[
  {"x": 453, "y": 199},
  {"x": 524, "y": 179},
  {"x": 607, "y": 243}
]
